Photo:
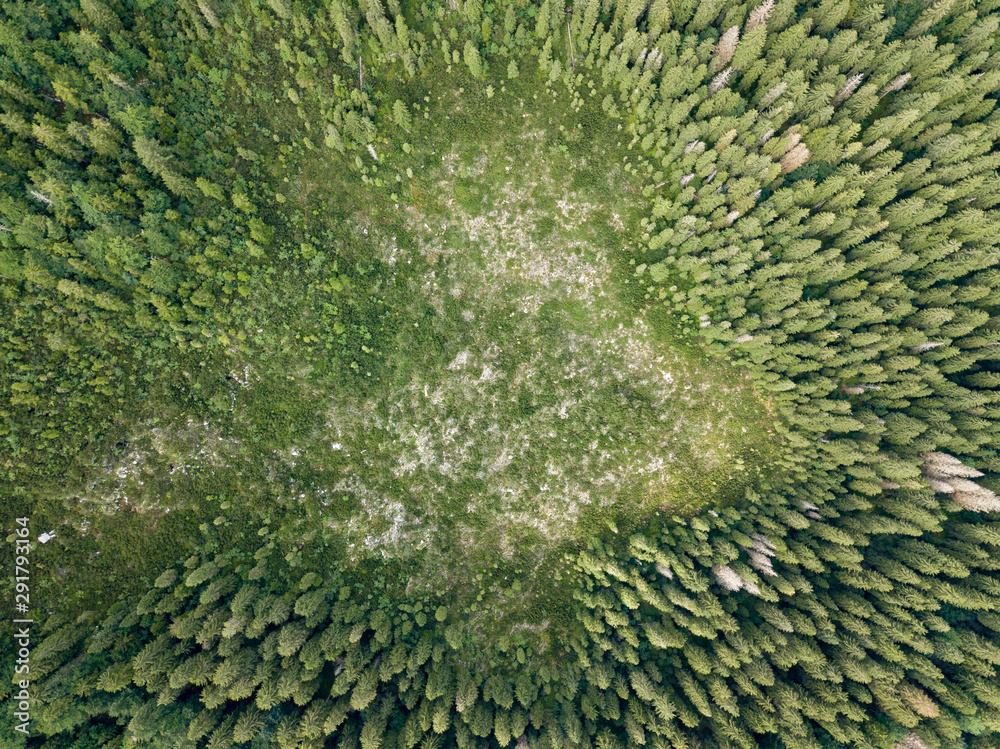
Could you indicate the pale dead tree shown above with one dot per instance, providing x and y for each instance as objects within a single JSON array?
[
  {"x": 973, "y": 497},
  {"x": 731, "y": 217},
  {"x": 727, "y": 577},
  {"x": 926, "y": 346},
  {"x": 763, "y": 544},
  {"x": 745, "y": 338},
  {"x": 730, "y": 579},
  {"x": 943, "y": 465},
  {"x": 665, "y": 571},
  {"x": 726, "y": 47},
  {"x": 719, "y": 81},
  {"x": 920, "y": 702},
  {"x": 912, "y": 742},
  {"x": 686, "y": 179},
  {"x": 761, "y": 553},
  {"x": 522, "y": 742},
  {"x": 693, "y": 145},
  {"x": 758, "y": 16},
  {"x": 761, "y": 563},
  {"x": 946, "y": 474},
  {"x": 847, "y": 89},
  {"x": 209, "y": 13},
  {"x": 766, "y": 136},
  {"x": 796, "y": 157},
  {"x": 895, "y": 84},
  {"x": 40, "y": 197},
  {"x": 941, "y": 487}
]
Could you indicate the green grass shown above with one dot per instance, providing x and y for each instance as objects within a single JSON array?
[{"x": 453, "y": 373}]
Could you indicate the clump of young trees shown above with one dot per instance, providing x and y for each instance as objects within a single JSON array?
[{"x": 823, "y": 194}]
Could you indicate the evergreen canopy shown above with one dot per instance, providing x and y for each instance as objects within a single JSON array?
[{"x": 820, "y": 190}]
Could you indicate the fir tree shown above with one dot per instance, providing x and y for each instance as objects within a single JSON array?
[{"x": 472, "y": 60}]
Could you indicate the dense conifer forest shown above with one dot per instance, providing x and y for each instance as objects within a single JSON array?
[{"x": 388, "y": 374}]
